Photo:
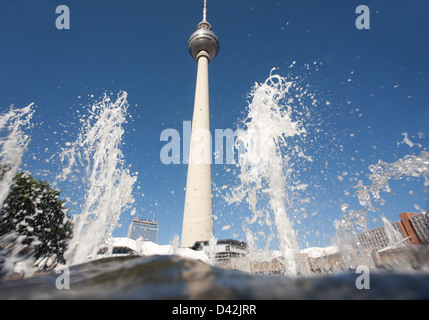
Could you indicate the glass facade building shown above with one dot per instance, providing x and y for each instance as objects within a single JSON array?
[{"x": 146, "y": 230}]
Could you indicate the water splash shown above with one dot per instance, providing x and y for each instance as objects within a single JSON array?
[
  {"x": 13, "y": 145},
  {"x": 416, "y": 166},
  {"x": 212, "y": 250},
  {"x": 107, "y": 181},
  {"x": 266, "y": 166},
  {"x": 382, "y": 172},
  {"x": 354, "y": 221},
  {"x": 174, "y": 244},
  {"x": 395, "y": 239}
]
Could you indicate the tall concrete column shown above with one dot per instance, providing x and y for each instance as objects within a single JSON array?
[{"x": 198, "y": 213}]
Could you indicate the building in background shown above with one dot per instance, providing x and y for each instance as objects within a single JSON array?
[
  {"x": 415, "y": 226},
  {"x": 412, "y": 228},
  {"x": 144, "y": 229},
  {"x": 377, "y": 238},
  {"x": 223, "y": 250}
]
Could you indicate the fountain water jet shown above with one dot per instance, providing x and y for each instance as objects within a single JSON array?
[
  {"x": 266, "y": 166},
  {"x": 394, "y": 237},
  {"x": 109, "y": 184},
  {"x": 12, "y": 148},
  {"x": 14, "y": 145}
]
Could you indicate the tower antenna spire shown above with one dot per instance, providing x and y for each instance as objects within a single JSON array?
[{"x": 205, "y": 11}]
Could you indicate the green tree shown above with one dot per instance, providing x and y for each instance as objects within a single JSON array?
[{"x": 36, "y": 219}]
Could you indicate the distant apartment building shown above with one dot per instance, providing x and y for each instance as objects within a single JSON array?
[
  {"x": 144, "y": 229},
  {"x": 412, "y": 228},
  {"x": 416, "y": 226},
  {"x": 377, "y": 238}
]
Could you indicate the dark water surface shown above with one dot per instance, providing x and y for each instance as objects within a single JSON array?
[{"x": 173, "y": 277}]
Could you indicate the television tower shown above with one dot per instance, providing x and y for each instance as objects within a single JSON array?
[{"x": 203, "y": 45}]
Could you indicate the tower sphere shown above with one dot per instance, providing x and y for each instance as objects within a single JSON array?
[{"x": 203, "y": 39}]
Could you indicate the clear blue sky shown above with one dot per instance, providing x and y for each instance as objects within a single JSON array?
[{"x": 376, "y": 82}]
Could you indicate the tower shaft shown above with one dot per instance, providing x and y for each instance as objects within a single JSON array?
[
  {"x": 198, "y": 213},
  {"x": 203, "y": 46}
]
